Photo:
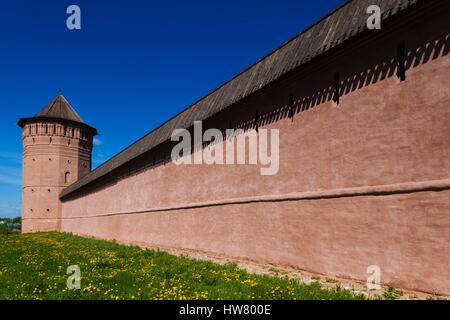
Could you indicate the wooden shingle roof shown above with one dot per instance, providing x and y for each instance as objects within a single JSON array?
[
  {"x": 343, "y": 23},
  {"x": 58, "y": 109}
]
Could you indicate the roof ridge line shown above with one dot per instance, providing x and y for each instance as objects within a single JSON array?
[
  {"x": 231, "y": 79},
  {"x": 264, "y": 75},
  {"x": 70, "y": 106},
  {"x": 52, "y": 104}
]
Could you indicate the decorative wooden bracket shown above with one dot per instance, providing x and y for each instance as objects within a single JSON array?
[
  {"x": 401, "y": 62},
  {"x": 337, "y": 87},
  {"x": 291, "y": 107}
]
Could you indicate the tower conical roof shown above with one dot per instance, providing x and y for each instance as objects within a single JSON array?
[{"x": 58, "y": 109}]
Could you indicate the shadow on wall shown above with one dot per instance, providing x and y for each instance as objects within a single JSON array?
[{"x": 395, "y": 65}]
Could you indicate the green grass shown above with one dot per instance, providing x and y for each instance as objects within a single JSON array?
[{"x": 34, "y": 267}]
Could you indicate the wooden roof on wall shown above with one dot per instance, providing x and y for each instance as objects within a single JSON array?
[{"x": 333, "y": 30}]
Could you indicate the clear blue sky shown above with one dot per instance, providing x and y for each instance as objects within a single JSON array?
[{"x": 133, "y": 64}]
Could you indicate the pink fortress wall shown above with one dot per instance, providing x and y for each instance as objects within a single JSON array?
[{"x": 363, "y": 183}]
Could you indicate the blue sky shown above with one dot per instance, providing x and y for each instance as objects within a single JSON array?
[{"x": 133, "y": 65}]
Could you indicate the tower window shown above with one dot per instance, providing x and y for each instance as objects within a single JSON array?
[{"x": 67, "y": 178}]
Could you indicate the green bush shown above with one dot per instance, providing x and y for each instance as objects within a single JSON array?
[
  {"x": 10, "y": 225},
  {"x": 5, "y": 230}
]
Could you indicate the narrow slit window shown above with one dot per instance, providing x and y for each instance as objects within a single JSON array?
[{"x": 67, "y": 178}]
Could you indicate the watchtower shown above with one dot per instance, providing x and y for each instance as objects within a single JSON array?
[{"x": 57, "y": 148}]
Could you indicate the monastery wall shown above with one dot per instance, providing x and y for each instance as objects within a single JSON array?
[{"x": 360, "y": 183}]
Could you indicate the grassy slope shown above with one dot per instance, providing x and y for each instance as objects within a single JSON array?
[{"x": 34, "y": 267}]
